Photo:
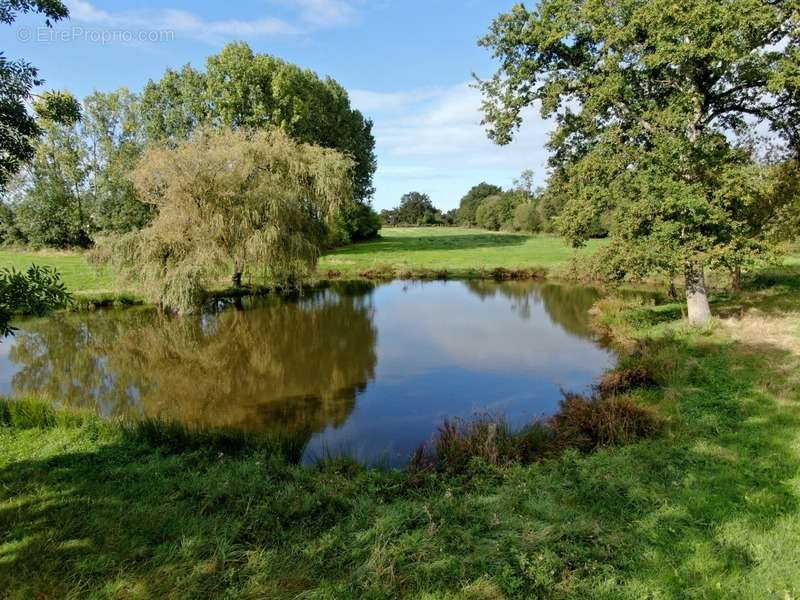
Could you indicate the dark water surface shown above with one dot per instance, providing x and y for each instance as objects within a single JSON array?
[{"x": 367, "y": 370}]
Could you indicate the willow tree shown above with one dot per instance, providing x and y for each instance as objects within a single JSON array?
[
  {"x": 229, "y": 201},
  {"x": 650, "y": 98}
]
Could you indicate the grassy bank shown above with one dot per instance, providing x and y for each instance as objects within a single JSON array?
[{"x": 710, "y": 507}]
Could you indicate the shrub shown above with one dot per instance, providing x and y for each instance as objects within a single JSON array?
[
  {"x": 497, "y": 212},
  {"x": 581, "y": 423},
  {"x": 586, "y": 424},
  {"x": 620, "y": 381},
  {"x": 354, "y": 223},
  {"x": 526, "y": 218},
  {"x": 35, "y": 292},
  {"x": 459, "y": 441}
]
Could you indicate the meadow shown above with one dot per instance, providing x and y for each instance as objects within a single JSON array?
[{"x": 456, "y": 251}]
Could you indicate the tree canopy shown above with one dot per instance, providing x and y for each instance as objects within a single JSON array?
[
  {"x": 229, "y": 201},
  {"x": 18, "y": 78},
  {"x": 468, "y": 206},
  {"x": 240, "y": 88},
  {"x": 652, "y": 100}
]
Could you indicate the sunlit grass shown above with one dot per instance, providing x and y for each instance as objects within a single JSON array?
[
  {"x": 76, "y": 272},
  {"x": 708, "y": 508},
  {"x": 459, "y": 251}
]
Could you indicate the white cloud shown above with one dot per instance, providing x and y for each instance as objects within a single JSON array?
[
  {"x": 311, "y": 15},
  {"x": 325, "y": 13},
  {"x": 433, "y": 140}
]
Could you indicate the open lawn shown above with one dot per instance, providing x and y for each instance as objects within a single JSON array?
[
  {"x": 708, "y": 508},
  {"x": 459, "y": 251},
  {"x": 76, "y": 272}
]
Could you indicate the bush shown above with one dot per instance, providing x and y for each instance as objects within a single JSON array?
[
  {"x": 458, "y": 442},
  {"x": 581, "y": 423},
  {"x": 586, "y": 424},
  {"x": 497, "y": 212},
  {"x": 355, "y": 223},
  {"x": 620, "y": 381},
  {"x": 10, "y": 235},
  {"x": 526, "y": 218},
  {"x": 36, "y": 292}
]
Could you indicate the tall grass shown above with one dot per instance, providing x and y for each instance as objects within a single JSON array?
[
  {"x": 582, "y": 423},
  {"x": 167, "y": 436}
]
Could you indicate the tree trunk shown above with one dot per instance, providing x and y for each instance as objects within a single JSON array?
[
  {"x": 736, "y": 278},
  {"x": 236, "y": 279},
  {"x": 696, "y": 297}
]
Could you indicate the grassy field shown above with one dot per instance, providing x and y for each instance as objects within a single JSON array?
[
  {"x": 78, "y": 275},
  {"x": 459, "y": 251},
  {"x": 402, "y": 251},
  {"x": 709, "y": 508}
]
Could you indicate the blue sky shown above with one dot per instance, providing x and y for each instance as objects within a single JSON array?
[{"x": 406, "y": 63}]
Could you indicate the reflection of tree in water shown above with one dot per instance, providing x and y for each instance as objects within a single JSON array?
[
  {"x": 566, "y": 305},
  {"x": 279, "y": 366}
]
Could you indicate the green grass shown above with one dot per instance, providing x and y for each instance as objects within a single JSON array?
[
  {"x": 710, "y": 508},
  {"x": 459, "y": 251},
  {"x": 76, "y": 272}
]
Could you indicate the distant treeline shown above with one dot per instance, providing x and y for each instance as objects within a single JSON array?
[{"x": 522, "y": 207}]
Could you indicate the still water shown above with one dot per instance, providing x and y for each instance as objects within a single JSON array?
[{"x": 366, "y": 370}]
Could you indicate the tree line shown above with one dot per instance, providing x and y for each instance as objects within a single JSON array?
[
  {"x": 523, "y": 207},
  {"x": 75, "y": 185}
]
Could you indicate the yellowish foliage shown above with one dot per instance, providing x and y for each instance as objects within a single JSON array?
[{"x": 228, "y": 201}]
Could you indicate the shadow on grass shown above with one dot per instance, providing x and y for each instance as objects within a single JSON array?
[
  {"x": 433, "y": 243},
  {"x": 773, "y": 289},
  {"x": 708, "y": 509}
]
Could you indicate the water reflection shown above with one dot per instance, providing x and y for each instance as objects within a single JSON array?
[{"x": 371, "y": 371}]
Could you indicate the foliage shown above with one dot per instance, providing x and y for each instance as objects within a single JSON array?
[
  {"x": 649, "y": 112},
  {"x": 497, "y": 212},
  {"x": 228, "y": 201},
  {"x": 18, "y": 127},
  {"x": 114, "y": 135},
  {"x": 415, "y": 209},
  {"x": 10, "y": 235},
  {"x": 357, "y": 221},
  {"x": 37, "y": 291},
  {"x": 53, "y": 192},
  {"x": 240, "y": 88},
  {"x": 527, "y": 218},
  {"x": 468, "y": 206}
]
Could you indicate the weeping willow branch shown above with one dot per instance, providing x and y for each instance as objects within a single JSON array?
[{"x": 229, "y": 201}]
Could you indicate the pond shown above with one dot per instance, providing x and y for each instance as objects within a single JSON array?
[{"x": 366, "y": 370}]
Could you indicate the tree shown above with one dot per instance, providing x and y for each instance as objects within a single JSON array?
[
  {"x": 230, "y": 201},
  {"x": 469, "y": 203},
  {"x": 115, "y": 141},
  {"x": 497, "y": 212},
  {"x": 649, "y": 109},
  {"x": 18, "y": 127},
  {"x": 527, "y": 217},
  {"x": 415, "y": 209},
  {"x": 53, "y": 210},
  {"x": 242, "y": 89}
]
